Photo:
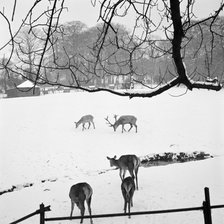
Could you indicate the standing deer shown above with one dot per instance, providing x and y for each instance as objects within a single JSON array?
[
  {"x": 128, "y": 189},
  {"x": 122, "y": 120},
  {"x": 79, "y": 193},
  {"x": 124, "y": 163},
  {"x": 85, "y": 119}
]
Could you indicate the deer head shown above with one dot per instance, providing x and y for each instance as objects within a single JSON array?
[{"x": 110, "y": 124}]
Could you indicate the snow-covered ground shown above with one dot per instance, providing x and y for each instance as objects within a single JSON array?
[{"x": 39, "y": 144}]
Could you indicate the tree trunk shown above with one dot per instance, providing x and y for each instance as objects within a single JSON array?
[{"x": 176, "y": 43}]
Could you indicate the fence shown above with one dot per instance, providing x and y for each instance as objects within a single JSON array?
[{"x": 206, "y": 208}]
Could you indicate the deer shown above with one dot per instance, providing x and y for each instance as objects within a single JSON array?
[
  {"x": 85, "y": 119},
  {"x": 79, "y": 193},
  {"x": 128, "y": 189},
  {"x": 124, "y": 163},
  {"x": 122, "y": 120}
]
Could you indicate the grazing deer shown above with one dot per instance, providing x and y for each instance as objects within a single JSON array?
[
  {"x": 85, "y": 119},
  {"x": 122, "y": 120},
  {"x": 128, "y": 189},
  {"x": 79, "y": 193},
  {"x": 124, "y": 163}
]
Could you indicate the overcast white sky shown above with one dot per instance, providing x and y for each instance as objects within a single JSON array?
[{"x": 81, "y": 10}]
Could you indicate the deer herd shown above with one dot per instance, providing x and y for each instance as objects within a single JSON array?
[
  {"x": 81, "y": 192},
  {"x": 122, "y": 120}
]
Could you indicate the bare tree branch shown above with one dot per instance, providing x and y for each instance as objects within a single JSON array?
[{"x": 115, "y": 52}]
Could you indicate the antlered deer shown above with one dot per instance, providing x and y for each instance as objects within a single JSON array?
[
  {"x": 124, "y": 163},
  {"x": 85, "y": 119},
  {"x": 79, "y": 193},
  {"x": 122, "y": 120},
  {"x": 128, "y": 189}
]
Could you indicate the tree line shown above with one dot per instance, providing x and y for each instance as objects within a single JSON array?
[{"x": 111, "y": 56}]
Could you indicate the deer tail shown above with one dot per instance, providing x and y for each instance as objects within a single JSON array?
[{"x": 127, "y": 190}]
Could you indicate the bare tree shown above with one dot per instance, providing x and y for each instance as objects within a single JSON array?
[
  {"x": 46, "y": 21},
  {"x": 7, "y": 78},
  {"x": 178, "y": 24},
  {"x": 116, "y": 48},
  {"x": 27, "y": 52},
  {"x": 203, "y": 57}
]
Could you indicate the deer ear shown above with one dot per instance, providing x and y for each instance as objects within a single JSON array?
[
  {"x": 108, "y": 158},
  {"x": 115, "y": 157}
]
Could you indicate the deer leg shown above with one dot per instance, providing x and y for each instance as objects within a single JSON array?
[
  {"x": 82, "y": 210},
  {"x": 89, "y": 208},
  {"x": 83, "y": 126},
  {"x": 136, "y": 176},
  {"x": 131, "y": 172},
  {"x": 122, "y": 174},
  {"x": 129, "y": 209},
  {"x": 93, "y": 124},
  {"x": 132, "y": 193},
  {"x": 72, "y": 207},
  {"x": 130, "y": 127},
  {"x": 124, "y": 196},
  {"x": 135, "y": 128},
  {"x": 131, "y": 202},
  {"x": 89, "y": 125},
  {"x": 125, "y": 205}
]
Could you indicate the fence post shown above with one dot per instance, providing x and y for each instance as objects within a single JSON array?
[
  {"x": 42, "y": 213},
  {"x": 207, "y": 207}
]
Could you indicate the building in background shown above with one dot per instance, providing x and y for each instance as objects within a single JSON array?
[{"x": 26, "y": 88}]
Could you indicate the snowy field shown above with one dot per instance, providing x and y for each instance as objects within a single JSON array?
[{"x": 39, "y": 144}]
